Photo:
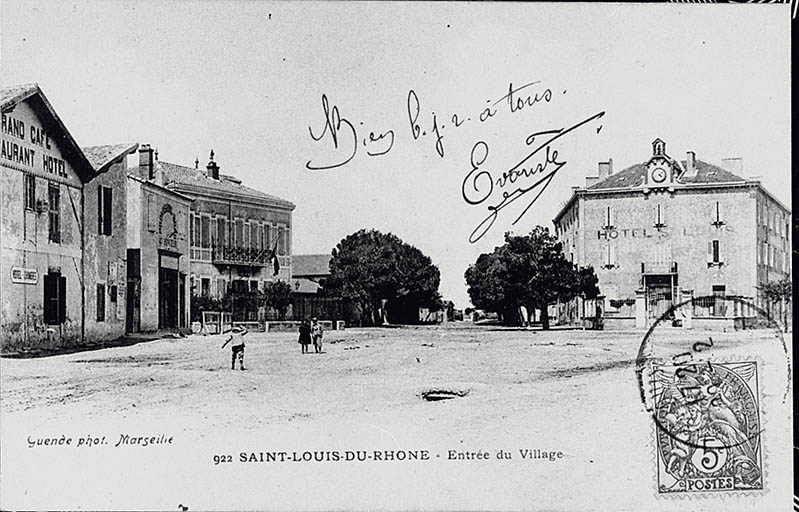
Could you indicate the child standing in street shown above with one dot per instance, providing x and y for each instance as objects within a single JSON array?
[
  {"x": 236, "y": 339},
  {"x": 316, "y": 332}
]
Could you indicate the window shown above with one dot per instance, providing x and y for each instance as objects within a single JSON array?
[
  {"x": 239, "y": 239},
  {"x": 610, "y": 256},
  {"x": 714, "y": 253},
  {"x": 660, "y": 217},
  {"x": 112, "y": 292},
  {"x": 54, "y": 196},
  {"x": 205, "y": 232},
  {"x": 104, "y": 203},
  {"x": 55, "y": 304},
  {"x": 221, "y": 288},
  {"x": 717, "y": 215},
  {"x": 214, "y": 239},
  {"x": 30, "y": 191},
  {"x": 246, "y": 242},
  {"x": 253, "y": 286},
  {"x": 268, "y": 236},
  {"x": 610, "y": 218},
  {"x": 191, "y": 230},
  {"x": 205, "y": 287},
  {"x": 196, "y": 240},
  {"x": 100, "y": 302},
  {"x": 221, "y": 239},
  {"x": 254, "y": 230}
]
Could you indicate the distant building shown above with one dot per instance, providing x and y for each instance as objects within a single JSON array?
[
  {"x": 232, "y": 228},
  {"x": 665, "y": 230},
  {"x": 308, "y": 271}
]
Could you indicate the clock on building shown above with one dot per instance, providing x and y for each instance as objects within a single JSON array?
[{"x": 659, "y": 175}]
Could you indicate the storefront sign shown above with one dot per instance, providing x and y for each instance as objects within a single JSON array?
[{"x": 21, "y": 275}]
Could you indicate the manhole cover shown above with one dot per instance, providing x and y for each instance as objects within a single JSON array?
[{"x": 435, "y": 395}]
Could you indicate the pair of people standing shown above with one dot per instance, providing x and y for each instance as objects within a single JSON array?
[{"x": 311, "y": 332}]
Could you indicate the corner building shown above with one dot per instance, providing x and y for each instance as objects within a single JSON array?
[
  {"x": 233, "y": 229},
  {"x": 665, "y": 231}
]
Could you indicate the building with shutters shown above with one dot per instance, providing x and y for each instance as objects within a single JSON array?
[
  {"x": 234, "y": 230},
  {"x": 666, "y": 230},
  {"x": 62, "y": 232}
]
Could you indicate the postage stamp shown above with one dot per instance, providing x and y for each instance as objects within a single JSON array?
[{"x": 708, "y": 426}]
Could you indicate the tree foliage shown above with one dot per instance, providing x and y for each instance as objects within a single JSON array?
[
  {"x": 777, "y": 291},
  {"x": 277, "y": 295},
  {"x": 528, "y": 271},
  {"x": 384, "y": 275}
]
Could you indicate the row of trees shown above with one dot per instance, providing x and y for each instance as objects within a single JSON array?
[
  {"x": 529, "y": 271},
  {"x": 390, "y": 280}
]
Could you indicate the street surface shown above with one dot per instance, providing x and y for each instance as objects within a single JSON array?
[{"x": 530, "y": 393}]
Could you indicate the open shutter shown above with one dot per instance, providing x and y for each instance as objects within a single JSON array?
[
  {"x": 719, "y": 214},
  {"x": 612, "y": 248},
  {"x": 710, "y": 252},
  {"x": 100, "y": 209},
  {"x": 107, "y": 210},
  {"x": 721, "y": 256},
  {"x": 62, "y": 299}
]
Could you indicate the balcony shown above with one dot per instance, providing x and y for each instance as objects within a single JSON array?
[
  {"x": 246, "y": 256},
  {"x": 659, "y": 267}
]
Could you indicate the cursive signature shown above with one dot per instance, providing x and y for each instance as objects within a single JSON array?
[
  {"x": 345, "y": 139},
  {"x": 478, "y": 185}
]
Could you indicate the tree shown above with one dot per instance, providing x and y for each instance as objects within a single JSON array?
[
  {"x": 779, "y": 291},
  {"x": 529, "y": 271},
  {"x": 277, "y": 295},
  {"x": 387, "y": 277}
]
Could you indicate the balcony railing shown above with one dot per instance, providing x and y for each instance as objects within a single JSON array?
[
  {"x": 228, "y": 255},
  {"x": 659, "y": 267}
]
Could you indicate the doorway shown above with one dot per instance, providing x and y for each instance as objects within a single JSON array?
[{"x": 168, "y": 292}]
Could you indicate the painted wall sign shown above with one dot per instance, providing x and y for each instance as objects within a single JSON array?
[
  {"x": 27, "y": 145},
  {"x": 22, "y": 275},
  {"x": 664, "y": 232}
]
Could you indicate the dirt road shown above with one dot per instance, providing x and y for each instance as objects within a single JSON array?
[{"x": 531, "y": 394}]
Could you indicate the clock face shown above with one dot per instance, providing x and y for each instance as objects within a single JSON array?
[{"x": 659, "y": 175}]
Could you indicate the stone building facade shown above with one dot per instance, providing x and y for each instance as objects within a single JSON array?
[
  {"x": 60, "y": 247},
  {"x": 664, "y": 230},
  {"x": 158, "y": 250},
  {"x": 233, "y": 230}
]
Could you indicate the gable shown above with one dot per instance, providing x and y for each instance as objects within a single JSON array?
[{"x": 33, "y": 139}]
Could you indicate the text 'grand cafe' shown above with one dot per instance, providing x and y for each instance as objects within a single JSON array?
[{"x": 666, "y": 231}]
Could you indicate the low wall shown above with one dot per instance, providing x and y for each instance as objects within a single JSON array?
[{"x": 294, "y": 325}]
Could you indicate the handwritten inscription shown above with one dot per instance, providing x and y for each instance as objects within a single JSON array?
[
  {"x": 528, "y": 178},
  {"x": 340, "y": 133},
  {"x": 536, "y": 170}
]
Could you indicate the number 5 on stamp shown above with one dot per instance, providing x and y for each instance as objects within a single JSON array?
[{"x": 707, "y": 428}]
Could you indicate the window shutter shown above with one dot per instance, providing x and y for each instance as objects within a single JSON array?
[
  {"x": 710, "y": 252},
  {"x": 719, "y": 215},
  {"x": 50, "y": 299},
  {"x": 107, "y": 210},
  {"x": 612, "y": 248},
  {"x": 99, "y": 209},
  {"x": 62, "y": 299},
  {"x": 613, "y": 217}
]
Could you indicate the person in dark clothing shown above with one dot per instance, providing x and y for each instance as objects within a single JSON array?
[{"x": 305, "y": 336}]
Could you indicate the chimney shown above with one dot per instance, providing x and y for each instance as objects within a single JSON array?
[
  {"x": 605, "y": 169},
  {"x": 212, "y": 169},
  {"x": 146, "y": 162},
  {"x": 734, "y": 165},
  {"x": 690, "y": 164},
  {"x": 590, "y": 180}
]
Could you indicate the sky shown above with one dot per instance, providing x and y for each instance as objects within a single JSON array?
[{"x": 247, "y": 79}]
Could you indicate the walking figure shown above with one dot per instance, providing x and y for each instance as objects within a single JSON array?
[
  {"x": 316, "y": 331},
  {"x": 305, "y": 336},
  {"x": 237, "y": 347}
]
